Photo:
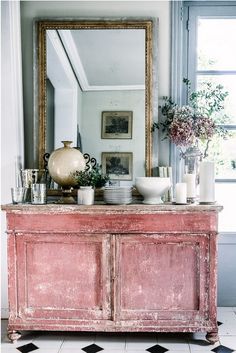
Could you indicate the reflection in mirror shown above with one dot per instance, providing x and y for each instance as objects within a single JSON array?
[{"x": 86, "y": 69}]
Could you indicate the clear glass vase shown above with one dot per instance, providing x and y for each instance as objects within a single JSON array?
[{"x": 191, "y": 157}]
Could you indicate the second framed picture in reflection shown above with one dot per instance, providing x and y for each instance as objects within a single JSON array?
[
  {"x": 118, "y": 165},
  {"x": 117, "y": 124}
]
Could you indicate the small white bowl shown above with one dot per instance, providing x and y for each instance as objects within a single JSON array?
[{"x": 152, "y": 188}]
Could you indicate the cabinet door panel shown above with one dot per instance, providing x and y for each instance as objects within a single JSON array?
[
  {"x": 63, "y": 276},
  {"x": 158, "y": 277}
]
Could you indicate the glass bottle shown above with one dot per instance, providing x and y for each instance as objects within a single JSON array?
[{"x": 192, "y": 157}]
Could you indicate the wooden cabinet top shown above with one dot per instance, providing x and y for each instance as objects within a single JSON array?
[
  {"x": 110, "y": 209},
  {"x": 134, "y": 218}
]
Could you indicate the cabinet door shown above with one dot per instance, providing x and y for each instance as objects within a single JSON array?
[
  {"x": 63, "y": 276},
  {"x": 161, "y": 277}
]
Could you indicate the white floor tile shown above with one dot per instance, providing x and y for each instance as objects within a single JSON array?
[
  {"x": 221, "y": 309},
  {"x": 227, "y": 316},
  {"x": 175, "y": 346},
  {"x": 203, "y": 349},
  {"x": 53, "y": 340},
  {"x": 135, "y": 351},
  {"x": 69, "y": 350},
  {"x": 174, "y": 342},
  {"x": 174, "y": 351},
  {"x": 228, "y": 341},
  {"x": 227, "y": 329},
  {"x": 8, "y": 350},
  {"x": 117, "y": 351},
  {"x": 46, "y": 350},
  {"x": 139, "y": 342},
  {"x": 78, "y": 341},
  {"x": 139, "y": 346},
  {"x": 114, "y": 342}
]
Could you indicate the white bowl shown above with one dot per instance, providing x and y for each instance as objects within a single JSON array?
[{"x": 152, "y": 188}]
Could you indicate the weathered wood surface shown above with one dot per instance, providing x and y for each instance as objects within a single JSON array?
[
  {"x": 104, "y": 208},
  {"x": 132, "y": 217},
  {"x": 128, "y": 268}
]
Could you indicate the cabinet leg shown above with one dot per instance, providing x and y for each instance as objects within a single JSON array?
[
  {"x": 13, "y": 335},
  {"x": 212, "y": 337}
]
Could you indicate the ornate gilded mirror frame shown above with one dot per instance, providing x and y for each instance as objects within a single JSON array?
[{"x": 149, "y": 25}]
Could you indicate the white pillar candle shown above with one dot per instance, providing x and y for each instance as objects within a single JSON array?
[
  {"x": 190, "y": 180},
  {"x": 207, "y": 182},
  {"x": 181, "y": 193}
]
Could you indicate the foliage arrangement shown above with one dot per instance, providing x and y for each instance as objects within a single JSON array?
[
  {"x": 196, "y": 122},
  {"x": 92, "y": 177}
]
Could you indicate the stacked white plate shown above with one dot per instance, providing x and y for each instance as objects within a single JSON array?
[{"x": 117, "y": 195}]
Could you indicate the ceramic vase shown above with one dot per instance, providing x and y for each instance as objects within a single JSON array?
[
  {"x": 62, "y": 164},
  {"x": 85, "y": 195}
]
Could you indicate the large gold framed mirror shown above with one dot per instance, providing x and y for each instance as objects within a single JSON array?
[{"x": 87, "y": 67}]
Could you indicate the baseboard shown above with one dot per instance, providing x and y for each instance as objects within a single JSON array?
[
  {"x": 4, "y": 313},
  {"x": 226, "y": 269},
  {"x": 227, "y": 238}
]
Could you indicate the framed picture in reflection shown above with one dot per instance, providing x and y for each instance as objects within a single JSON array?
[
  {"x": 118, "y": 165},
  {"x": 117, "y": 124}
]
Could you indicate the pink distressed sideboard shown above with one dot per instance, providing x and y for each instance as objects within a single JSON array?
[{"x": 130, "y": 268}]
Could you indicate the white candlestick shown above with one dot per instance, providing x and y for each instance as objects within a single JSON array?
[
  {"x": 207, "y": 182},
  {"x": 190, "y": 180},
  {"x": 181, "y": 193}
]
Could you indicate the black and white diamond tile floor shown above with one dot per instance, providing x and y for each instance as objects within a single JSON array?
[{"x": 74, "y": 342}]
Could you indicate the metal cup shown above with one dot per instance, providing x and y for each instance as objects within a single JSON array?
[
  {"x": 18, "y": 195},
  {"x": 38, "y": 194},
  {"x": 29, "y": 177}
]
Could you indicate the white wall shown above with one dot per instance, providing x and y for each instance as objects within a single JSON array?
[
  {"x": 79, "y": 118},
  {"x": 93, "y": 105},
  {"x": 11, "y": 121},
  {"x": 66, "y": 113},
  {"x": 66, "y": 88},
  {"x": 36, "y": 9}
]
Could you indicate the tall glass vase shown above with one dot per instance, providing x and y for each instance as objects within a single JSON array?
[{"x": 191, "y": 157}]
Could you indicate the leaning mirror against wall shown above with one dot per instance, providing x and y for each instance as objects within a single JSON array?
[{"x": 95, "y": 87}]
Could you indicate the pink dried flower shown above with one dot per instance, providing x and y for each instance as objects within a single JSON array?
[
  {"x": 184, "y": 126},
  {"x": 197, "y": 122},
  {"x": 181, "y": 131},
  {"x": 204, "y": 127}
]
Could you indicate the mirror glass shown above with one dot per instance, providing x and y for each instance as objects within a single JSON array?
[{"x": 95, "y": 83}]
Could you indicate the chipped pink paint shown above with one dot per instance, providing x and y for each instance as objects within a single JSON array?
[{"x": 112, "y": 268}]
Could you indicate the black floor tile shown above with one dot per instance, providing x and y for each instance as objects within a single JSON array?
[
  {"x": 30, "y": 347},
  {"x": 93, "y": 348},
  {"x": 222, "y": 349},
  {"x": 157, "y": 349}
]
